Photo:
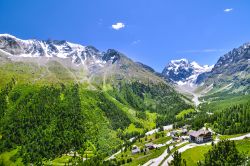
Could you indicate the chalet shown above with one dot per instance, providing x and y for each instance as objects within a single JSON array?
[
  {"x": 150, "y": 145},
  {"x": 135, "y": 150},
  {"x": 200, "y": 136}
]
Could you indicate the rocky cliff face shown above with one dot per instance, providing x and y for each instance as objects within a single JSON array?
[
  {"x": 230, "y": 75},
  {"x": 231, "y": 72}
]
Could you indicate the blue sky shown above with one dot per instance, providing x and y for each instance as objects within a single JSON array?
[{"x": 151, "y": 31}]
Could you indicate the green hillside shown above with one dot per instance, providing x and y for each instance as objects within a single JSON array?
[{"x": 45, "y": 120}]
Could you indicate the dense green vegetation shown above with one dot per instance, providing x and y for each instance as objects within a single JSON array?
[
  {"x": 217, "y": 102},
  {"x": 193, "y": 155},
  {"x": 225, "y": 119},
  {"x": 223, "y": 153},
  {"x": 45, "y": 122},
  {"x": 235, "y": 119},
  {"x": 158, "y": 98},
  {"x": 232, "y": 120},
  {"x": 49, "y": 121}
]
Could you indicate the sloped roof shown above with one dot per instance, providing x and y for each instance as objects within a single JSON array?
[
  {"x": 149, "y": 144},
  {"x": 199, "y": 132}
]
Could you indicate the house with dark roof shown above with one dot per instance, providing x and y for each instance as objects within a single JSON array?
[
  {"x": 150, "y": 145},
  {"x": 200, "y": 136},
  {"x": 135, "y": 150}
]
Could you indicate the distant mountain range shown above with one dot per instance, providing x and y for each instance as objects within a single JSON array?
[
  {"x": 230, "y": 75},
  {"x": 67, "y": 94},
  {"x": 231, "y": 72},
  {"x": 78, "y": 54},
  {"x": 75, "y": 58},
  {"x": 49, "y": 82}
]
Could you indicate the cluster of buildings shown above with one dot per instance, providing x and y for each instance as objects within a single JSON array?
[
  {"x": 200, "y": 136},
  {"x": 148, "y": 146}
]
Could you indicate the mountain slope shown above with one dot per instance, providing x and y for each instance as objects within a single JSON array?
[
  {"x": 76, "y": 96},
  {"x": 231, "y": 73},
  {"x": 82, "y": 63}
]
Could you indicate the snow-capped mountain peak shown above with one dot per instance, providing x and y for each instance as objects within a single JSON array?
[
  {"x": 184, "y": 72},
  {"x": 78, "y": 54}
]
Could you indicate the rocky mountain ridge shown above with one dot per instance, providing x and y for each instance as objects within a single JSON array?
[
  {"x": 79, "y": 62},
  {"x": 56, "y": 48}
]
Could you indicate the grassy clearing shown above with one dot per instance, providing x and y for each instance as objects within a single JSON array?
[
  {"x": 193, "y": 155},
  {"x": 161, "y": 140},
  {"x": 132, "y": 128},
  {"x": 151, "y": 119},
  {"x": 60, "y": 160},
  {"x": 244, "y": 146},
  {"x": 88, "y": 154},
  {"x": 183, "y": 113},
  {"x": 6, "y": 158}
]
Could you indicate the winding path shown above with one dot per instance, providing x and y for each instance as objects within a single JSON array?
[{"x": 158, "y": 160}]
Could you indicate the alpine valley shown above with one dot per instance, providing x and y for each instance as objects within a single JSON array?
[{"x": 62, "y": 103}]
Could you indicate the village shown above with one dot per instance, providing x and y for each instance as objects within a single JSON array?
[
  {"x": 161, "y": 143},
  {"x": 177, "y": 136}
]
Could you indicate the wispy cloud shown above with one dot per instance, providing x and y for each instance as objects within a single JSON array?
[
  {"x": 100, "y": 21},
  {"x": 208, "y": 50},
  {"x": 118, "y": 25},
  {"x": 135, "y": 42},
  {"x": 228, "y": 10}
]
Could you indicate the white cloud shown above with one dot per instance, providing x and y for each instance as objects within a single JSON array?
[
  {"x": 228, "y": 10},
  {"x": 118, "y": 26},
  {"x": 136, "y": 42}
]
